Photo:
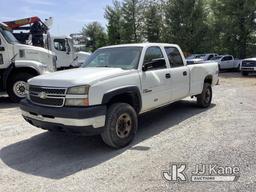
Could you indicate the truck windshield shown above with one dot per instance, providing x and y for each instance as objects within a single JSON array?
[
  {"x": 216, "y": 58},
  {"x": 118, "y": 57},
  {"x": 8, "y": 36}
]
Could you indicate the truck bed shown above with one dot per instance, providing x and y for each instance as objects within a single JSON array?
[{"x": 198, "y": 72}]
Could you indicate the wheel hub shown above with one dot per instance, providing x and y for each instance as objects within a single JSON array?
[
  {"x": 124, "y": 125},
  {"x": 19, "y": 88}
]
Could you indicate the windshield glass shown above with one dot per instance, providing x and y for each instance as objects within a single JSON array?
[
  {"x": 216, "y": 58},
  {"x": 118, "y": 57},
  {"x": 200, "y": 57},
  {"x": 9, "y": 36}
]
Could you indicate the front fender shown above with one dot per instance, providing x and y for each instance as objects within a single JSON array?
[
  {"x": 37, "y": 66},
  {"x": 133, "y": 90}
]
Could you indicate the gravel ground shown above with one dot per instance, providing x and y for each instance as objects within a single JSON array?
[{"x": 35, "y": 160}]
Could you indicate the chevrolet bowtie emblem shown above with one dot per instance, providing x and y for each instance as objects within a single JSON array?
[{"x": 42, "y": 95}]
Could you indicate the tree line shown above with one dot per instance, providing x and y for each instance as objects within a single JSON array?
[{"x": 198, "y": 26}]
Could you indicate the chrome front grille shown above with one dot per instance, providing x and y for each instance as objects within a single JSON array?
[
  {"x": 47, "y": 96},
  {"x": 249, "y": 64}
]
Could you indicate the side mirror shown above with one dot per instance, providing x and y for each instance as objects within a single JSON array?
[{"x": 154, "y": 64}]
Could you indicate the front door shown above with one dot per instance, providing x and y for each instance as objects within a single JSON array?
[
  {"x": 155, "y": 81},
  {"x": 227, "y": 62},
  {"x": 63, "y": 52},
  {"x": 4, "y": 55}
]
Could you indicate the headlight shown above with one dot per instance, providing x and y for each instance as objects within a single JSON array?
[
  {"x": 77, "y": 96},
  {"x": 79, "y": 90}
]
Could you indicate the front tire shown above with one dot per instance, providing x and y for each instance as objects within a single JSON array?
[
  {"x": 205, "y": 98},
  {"x": 121, "y": 125},
  {"x": 17, "y": 85}
]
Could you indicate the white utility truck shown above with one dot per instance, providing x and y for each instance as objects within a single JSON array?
[
  {"x": 114, "y": 86},
  {"x": 19, "y": 62},
  {"x": 67, "y": 57},
  {"x": 33, "y": 31}
]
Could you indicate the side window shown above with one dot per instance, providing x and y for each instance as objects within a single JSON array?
[
  {"x": 60, "y": 44},
  {"x": 174, "y": 57},
  {"x": 210, "y": 57},
  {"x": 229, "y": 58},
  {"x": 155, "y": 56}
]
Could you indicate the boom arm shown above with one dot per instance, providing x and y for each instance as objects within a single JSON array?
[{"x": 17, "y": 24}]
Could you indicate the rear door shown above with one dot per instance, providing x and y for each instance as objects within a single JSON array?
[
  {"x": 179, "y": 74},
  {"x": 155, "y": 81}
]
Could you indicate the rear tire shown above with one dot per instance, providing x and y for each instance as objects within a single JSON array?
[
  {"x": 244, "y": 73},
  {"x": 16, "y": 86},
  {"x": 121, "y": 125},
  {"x": 205, "y": 98}
]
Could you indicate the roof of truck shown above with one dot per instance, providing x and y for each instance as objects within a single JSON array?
[{"x": 141, "y": 45}]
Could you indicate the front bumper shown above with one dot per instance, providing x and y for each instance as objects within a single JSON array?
[
  {"x": 248, "y": 69},
  {"x": 76, "y": 120}
]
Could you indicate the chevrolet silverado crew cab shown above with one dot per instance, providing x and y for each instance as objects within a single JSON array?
[{"x": 114, "y": 86}]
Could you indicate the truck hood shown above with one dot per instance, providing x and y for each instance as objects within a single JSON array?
[
  {"x": 32, "y": 49},
  {"x": 250, "y": 59},
  {"x": 76, "y": 77}
]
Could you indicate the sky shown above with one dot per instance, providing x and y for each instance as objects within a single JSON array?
[{"x": 69, "y": 16}]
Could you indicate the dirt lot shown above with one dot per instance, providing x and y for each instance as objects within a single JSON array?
[{"x": 225, "y": 134}]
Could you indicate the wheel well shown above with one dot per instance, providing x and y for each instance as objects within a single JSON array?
[
  {"x": 28, "y": 70},
  {"x": 208, "y": 79},
  {"x": 129, "y": 98},
  {"x": 16, "y": 71}
]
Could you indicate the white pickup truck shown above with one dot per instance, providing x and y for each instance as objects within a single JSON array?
[
  {"x": 248, "y": 66},
  {"x": 115, "y": 85},
  {"x": 227, "y": 62}
]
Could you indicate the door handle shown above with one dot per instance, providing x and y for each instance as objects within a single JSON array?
[
  {"x": 2, "y": 49},
  {"x": 185, "y": 73},
  {"x": 168, "y": 76},
  {"x": 147, "y": 91}
]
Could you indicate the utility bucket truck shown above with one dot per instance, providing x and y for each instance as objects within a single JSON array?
[
  {"x": 36, "y": 32},
  {"x": 19, "y": 63}
]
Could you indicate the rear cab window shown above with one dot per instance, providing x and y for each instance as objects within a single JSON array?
[{"x": 174, "y": 57}]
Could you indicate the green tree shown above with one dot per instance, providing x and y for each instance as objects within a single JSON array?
[
  {"x": 234, "y": 25},
  {"x": 113, "y": 15},
  {"x": 153, "y": 23},
  {"x": 95, "y": 35},
  {"x": 186, "y": 24},
  {"x": 131, "y": 31}
]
